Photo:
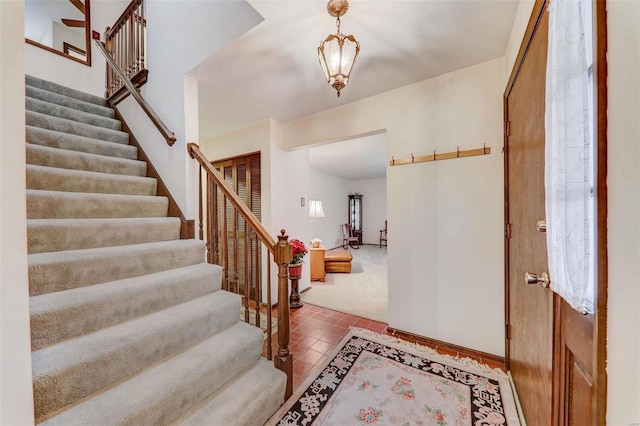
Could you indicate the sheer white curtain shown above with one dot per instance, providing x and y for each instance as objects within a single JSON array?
[{"x": 569, "y": 156}]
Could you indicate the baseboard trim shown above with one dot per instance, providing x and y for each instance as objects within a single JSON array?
[
  {"x": 427, "y": 341},
  {"x": 187, "y": 227}
]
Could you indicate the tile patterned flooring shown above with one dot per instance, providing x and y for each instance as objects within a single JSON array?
[{"x": 315, "y": 331}]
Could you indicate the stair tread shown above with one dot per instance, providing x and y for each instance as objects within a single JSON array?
[
  {"x": 243, "y": 400},
  {"x": 163, "y": 392},
  {"x": 61, "y": 111},
  {"x": 56, "y": 271},
  {"x": 123, "y": 349},
  {"x": 64, "y": 90},
  {"x": 45, "y": 121},
  {"x": 68, "y": 101},
  {"x": 61, "y": 140},
  {"x": 81, "y": 296},
  {"x": 40, "y": 155},
  {"x": 87, "y": 174},
  {"x": 110, "y": 221},
  {"x": 51, "y": 235},
  {"x": 43, "y": 204}
]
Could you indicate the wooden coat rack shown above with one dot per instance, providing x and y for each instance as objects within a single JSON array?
[{"x": 485, "y": 150}]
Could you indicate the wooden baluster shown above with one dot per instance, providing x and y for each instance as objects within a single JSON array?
[
  {"x": 269, "y": 310},
  {"x": 200, "y": 212},
  {"x": 107, "y": 42},
  {"x": 132, "y": 68},
  {"x": 214, "y": 230},
  {"x": 247, "y": 275},
  {"x": 142, "y": 35},
  {"x": 256, "y": 269},
  {"x": 283, "y": 254},
  {"x": 225, "y": 244}
]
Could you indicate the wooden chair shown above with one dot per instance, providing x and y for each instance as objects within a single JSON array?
[
  {"x": 383, "y": 235},
  {"x": 347, "y": 237}
]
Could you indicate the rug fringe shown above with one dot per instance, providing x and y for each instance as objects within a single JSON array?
[{"x": 465, "y": 361}]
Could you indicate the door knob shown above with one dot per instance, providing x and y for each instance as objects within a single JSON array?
[
  {"x": 541, "y": 225},
  {"x": 531, "y": 278}
]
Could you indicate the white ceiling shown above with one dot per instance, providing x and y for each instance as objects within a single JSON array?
[{"x": 272, "y": 71}]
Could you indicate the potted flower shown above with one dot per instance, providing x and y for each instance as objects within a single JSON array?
[
  {"x": 299, "y": 250},
  {"x": 315, "y": 243}
]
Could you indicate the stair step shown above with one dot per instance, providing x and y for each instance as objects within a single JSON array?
[
  {"x": 61, "y": 111},
  {"x": 64, "y": 159},
  {"x": 60, "y": 372},
  {"x": 67, "y": 205},
  {"x": 63, "y": 315},
  {"x": 45, "y": 235},
  {"x": 56, "y": 271},
  {"x": 244, "y": 401},
  {"x": 45, "y": 121},
  {"x": 63, "y": 90},
  {"x": 162, "y": 393},
  {"x": 80, "y": 105},
  {"x": 61, "y": 140},
  {"x": 55, "y": 179}
]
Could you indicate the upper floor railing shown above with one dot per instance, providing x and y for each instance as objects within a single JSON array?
[{"x": 126, "y": 41}]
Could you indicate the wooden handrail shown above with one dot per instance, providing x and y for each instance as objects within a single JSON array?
[
  {"x": 162, "y": 128},
  {"x": 254, "y": 223},
  {"x": 282, "y": 255}
]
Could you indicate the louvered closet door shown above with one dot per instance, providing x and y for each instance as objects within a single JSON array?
[{"x": 242, "y": 246}]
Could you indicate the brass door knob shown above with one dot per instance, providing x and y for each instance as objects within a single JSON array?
[
  {"x": 531, "y": 278},
  {"x": 541, "y": 225}
]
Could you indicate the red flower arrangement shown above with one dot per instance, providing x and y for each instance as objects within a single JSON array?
[{"x": 299, "y": 250}]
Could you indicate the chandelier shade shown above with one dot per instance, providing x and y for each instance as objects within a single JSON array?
[{"x": 338, "y": 52}]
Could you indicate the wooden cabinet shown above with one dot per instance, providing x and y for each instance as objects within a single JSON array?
[
  {"x": 355, "y": 216},
  {"x": 317, "y": 264}
]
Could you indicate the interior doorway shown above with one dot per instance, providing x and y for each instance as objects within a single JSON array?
[{"x": 339, "y": 173}]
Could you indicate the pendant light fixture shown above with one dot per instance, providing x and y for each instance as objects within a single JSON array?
[{"x": 338, "y": 52}]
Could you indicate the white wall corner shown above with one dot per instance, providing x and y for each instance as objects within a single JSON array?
[{"x": 16, "y": 392}]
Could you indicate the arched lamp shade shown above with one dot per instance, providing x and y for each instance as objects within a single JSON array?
[{"x": 338, "y": 52}]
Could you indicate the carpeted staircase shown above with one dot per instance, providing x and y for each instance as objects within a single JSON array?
[{"x": 129, "y": 325}]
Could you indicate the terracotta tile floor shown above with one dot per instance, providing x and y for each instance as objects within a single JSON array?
[{"x": 315, "y": 332}]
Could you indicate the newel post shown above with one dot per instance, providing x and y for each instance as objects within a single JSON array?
[{"x": 283, "y": 254}]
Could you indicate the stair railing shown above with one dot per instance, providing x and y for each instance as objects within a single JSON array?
[
  {"x": 219, "y": 196},
  {"x": 126, "y": 41},
  {"x": 153, "y": 116}
]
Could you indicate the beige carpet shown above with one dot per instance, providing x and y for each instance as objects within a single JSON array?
[{"x": 363, "y": 292}]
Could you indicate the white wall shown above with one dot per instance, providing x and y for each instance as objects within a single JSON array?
[
  {"x": 16, "y": 398},
  {"x": 433, "y": 256},
  {"x": 333, "y": 192},
  {"x": 374, "y": 207},
  {"x": 171, "y": 53},
  {"x": 623, "y": 222}
]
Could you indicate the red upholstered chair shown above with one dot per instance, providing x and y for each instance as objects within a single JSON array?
[
  {"x": 383, "y": 234},
  {"x": 347, "y": 237}
]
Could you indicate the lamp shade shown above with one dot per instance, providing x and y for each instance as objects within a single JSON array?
[
  {"x": 315, "y": 209},
  {"x": 337, "y": 54}
]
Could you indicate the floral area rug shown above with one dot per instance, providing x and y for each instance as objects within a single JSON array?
[{"x": 379, "y": 380}]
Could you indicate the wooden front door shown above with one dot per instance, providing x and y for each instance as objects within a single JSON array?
[
  {"x": 530, "y": 307},
  {"x": 555, "y": 354}
]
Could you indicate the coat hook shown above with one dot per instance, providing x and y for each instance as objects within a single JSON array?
[
  {"x": 412, "y": 158},
  {"x": 457, "y": 152},
  {"x": 484, "y": 148},
  {"x": 393, "y": 161},
  {"x": 434, "y": 155}
]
